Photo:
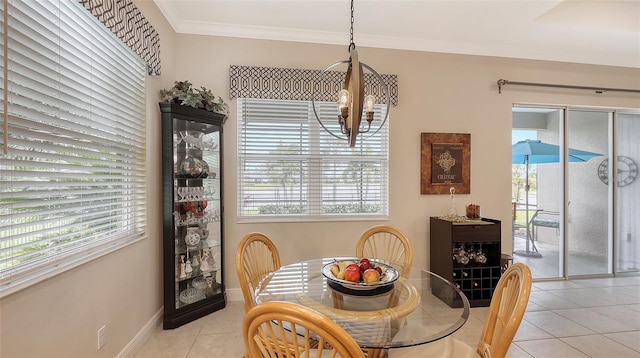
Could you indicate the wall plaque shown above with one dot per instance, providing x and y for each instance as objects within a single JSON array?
[{"x": 445, "y": 162}]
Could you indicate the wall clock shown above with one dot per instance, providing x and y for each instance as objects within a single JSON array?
[{"x": 627, "y": 171}]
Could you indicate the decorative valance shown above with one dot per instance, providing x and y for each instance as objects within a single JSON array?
[
  {"x": 127, "y": 22},
  {"x": 298, "y": 84}
]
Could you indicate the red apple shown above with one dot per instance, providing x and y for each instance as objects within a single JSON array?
[
  {"x": 371, "y": 276},
  {"x": 365, "y": 265},
  {"x": 354, "y": 265},
  {"x": 352, "y": 273},
  {"x": 377, "y": 268}
]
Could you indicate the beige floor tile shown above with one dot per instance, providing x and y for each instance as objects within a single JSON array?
[
  {"x": 598, "y": 346},
  {"x": 582, "y": 298},
  {"x": 479, "y": 312},
  {"x": 226, "y": 320},
  {"x": 593, "y": 320},
  {"x": 629, "y": 339},
  {"x": 633, "y": 291},
  {"x": 556, "y": 325},
  {"x": 470, "y": 332},
  {"x": 633, "y": 307},
  {"x": 517, "y": 352},
  {"x": 623, "y": 314},
  {"x": 189, "y": 329},
  {"x": 164, "y": 346},
  {"x": 612, "y": 281},
  {"x": 532, "y": 307},
  {"x": 549, "y": 301},
  {"x": 527, "y": 332},
  {"x": 558, "y": 285},
  {"x": 615, "y": 295},
  {"x": 550, "y": 348},
  {"x": 228, "y": 345}
]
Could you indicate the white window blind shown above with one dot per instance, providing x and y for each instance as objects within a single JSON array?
[
  {"x": 73, "y": 176},
  {"x": 291, "y": 169}
]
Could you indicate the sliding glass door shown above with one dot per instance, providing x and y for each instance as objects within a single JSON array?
[
  {"x": 579, "y": 216},
  {"x": 626, "y": 183},
  {"x": 538, "y": 237},
  {"x": 589, "y": 207}
]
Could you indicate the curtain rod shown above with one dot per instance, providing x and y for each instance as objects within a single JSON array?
[{"x": 502, "y": 82}]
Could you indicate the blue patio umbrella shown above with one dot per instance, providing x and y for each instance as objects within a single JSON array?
[{"x": 537, "y": 152}]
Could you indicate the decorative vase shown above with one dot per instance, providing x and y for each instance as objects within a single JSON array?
[{"x": 192, "y": 238}]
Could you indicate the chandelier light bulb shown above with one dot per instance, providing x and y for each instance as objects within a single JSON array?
[
  {"x": 369, "y": 102},
  {"x": 343, "y": 99}
]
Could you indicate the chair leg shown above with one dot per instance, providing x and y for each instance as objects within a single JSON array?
[
  {"x": 376, "y": 353},
  {"x": 505, "y": 262}
]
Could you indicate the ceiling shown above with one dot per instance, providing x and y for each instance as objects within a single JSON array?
[{"x": 582, "y": 31}]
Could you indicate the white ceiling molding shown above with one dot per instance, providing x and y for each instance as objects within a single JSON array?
[{"x": 578, "y": 31}]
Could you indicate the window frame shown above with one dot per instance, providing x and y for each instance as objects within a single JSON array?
[
  {"x": 313, "y": 153},
  {"x": 106, "y": 118}
]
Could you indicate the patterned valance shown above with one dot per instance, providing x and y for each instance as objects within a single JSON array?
[
  {"x": 298, "y": 84},
  {"x": 127, "y": 22}
]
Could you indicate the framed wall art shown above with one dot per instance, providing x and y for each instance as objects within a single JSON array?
[{"x": 445, "y": 162}]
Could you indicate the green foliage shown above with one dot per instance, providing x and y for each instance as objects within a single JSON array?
[
  {"x": 351, "y": 208},
  {"x": 518, "y": 181},
  {"x": 282, "y": 209},
  {"x": 329, "y": 209},
  {"x": 183, "y": 92}
]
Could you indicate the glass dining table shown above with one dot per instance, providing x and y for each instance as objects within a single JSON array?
[{"x": 413, "y": 310}]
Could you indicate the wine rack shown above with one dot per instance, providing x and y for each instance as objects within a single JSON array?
[{"x": 469, "y": 255}]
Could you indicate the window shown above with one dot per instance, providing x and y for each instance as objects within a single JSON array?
[
  {"x": 291, "y": 169},
  {"x": 73, "y": 175}
]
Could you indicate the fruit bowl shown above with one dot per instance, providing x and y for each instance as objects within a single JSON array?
[{"x": 387, "y": 278}]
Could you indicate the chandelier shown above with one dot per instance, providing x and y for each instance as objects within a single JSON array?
[{"x": 353, "y": 102}]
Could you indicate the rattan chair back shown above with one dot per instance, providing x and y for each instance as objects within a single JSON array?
[
  {"x": 506, "y": 311},
  {"x": 284, "y": 329},
  {"x": 388, "y": 244},
  {"x": 256, "y": 257}
]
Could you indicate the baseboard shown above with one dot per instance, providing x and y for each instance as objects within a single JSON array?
[
  {"x": 135, "y": 345},
  {"x": 234, "y": 294}
]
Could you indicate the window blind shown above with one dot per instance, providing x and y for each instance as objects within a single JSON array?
[
  {"x": 73, "y": 178},
  {"x": 291, "y": 169}
]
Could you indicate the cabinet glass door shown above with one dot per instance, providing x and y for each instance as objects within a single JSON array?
[{"x": 196, "y": 184}]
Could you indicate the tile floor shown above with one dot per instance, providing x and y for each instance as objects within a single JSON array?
[{"x": 598, "y": 318}]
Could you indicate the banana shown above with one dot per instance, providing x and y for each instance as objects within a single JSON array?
[
  {"x": 342, "y": 265},
  {"x": 341, "y": 269},
  {"x": 335, "y": 270}
]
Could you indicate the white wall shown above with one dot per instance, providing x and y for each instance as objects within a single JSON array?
[{"x": 437, "y": 93}]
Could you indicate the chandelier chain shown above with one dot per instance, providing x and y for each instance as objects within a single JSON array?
[{"x": 351, "y": 44}]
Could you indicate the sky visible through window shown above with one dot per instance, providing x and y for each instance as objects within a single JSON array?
[{"x": 518, "y": 135}]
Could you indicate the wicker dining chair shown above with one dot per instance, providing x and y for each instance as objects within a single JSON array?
[
  {"x": 506, "y": 311},
  {"x": 306, "y": 332},
  {"x": 256, "y": 257},
  {"x": 388, "y": 244}
]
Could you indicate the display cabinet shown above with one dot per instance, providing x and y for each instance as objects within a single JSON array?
[
  {"x": 469, "y": 255},
  {"x": 193, "y": 234}
]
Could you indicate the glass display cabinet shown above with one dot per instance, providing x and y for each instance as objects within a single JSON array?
[{"x": 192, "y": 213}]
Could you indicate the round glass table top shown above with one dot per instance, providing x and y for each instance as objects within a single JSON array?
[{"x": 417, "y": 309}]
